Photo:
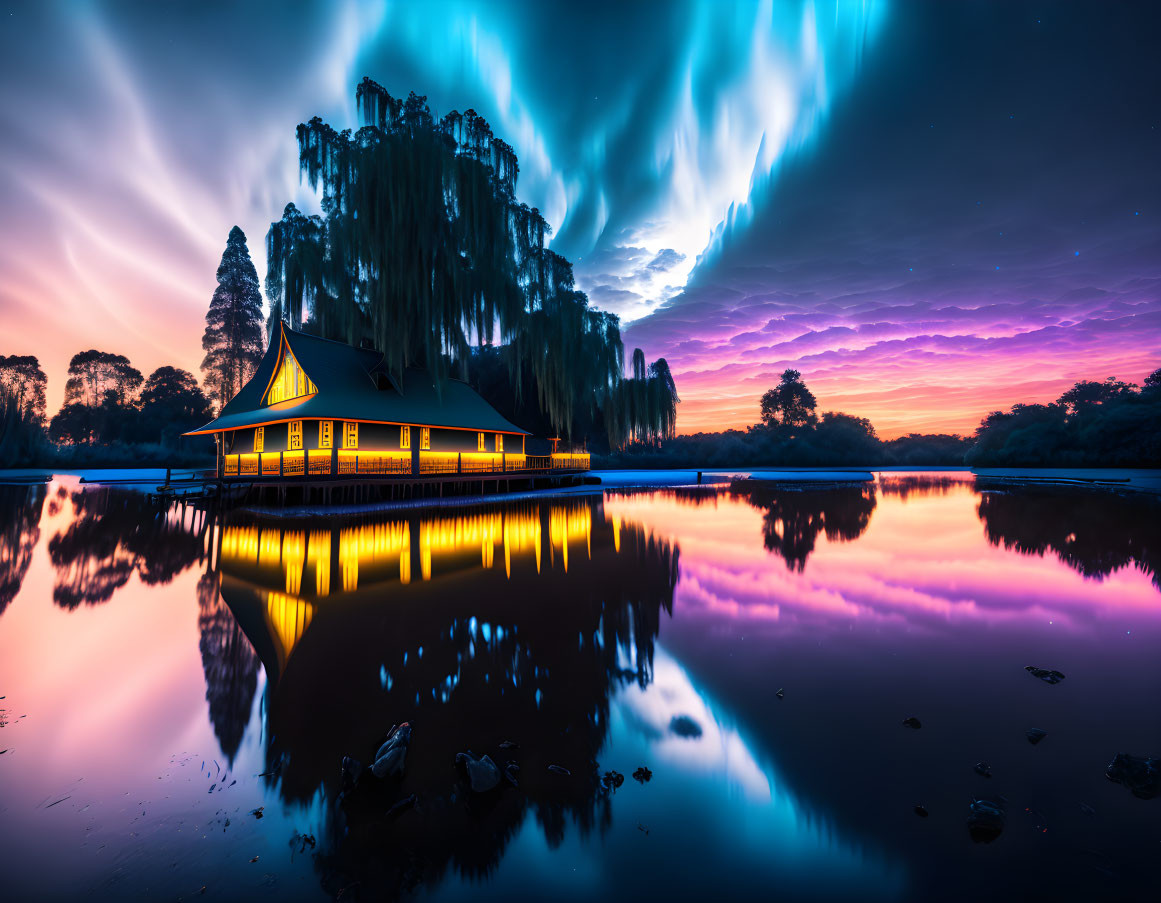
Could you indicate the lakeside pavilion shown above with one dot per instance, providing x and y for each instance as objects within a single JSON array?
[{"x": 319, "y": 410}]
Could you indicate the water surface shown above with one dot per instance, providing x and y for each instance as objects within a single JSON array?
[{"x": 180, "y": 690}]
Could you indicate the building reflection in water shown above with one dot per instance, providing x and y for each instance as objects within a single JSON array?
[{"x": 514, "y": 622}]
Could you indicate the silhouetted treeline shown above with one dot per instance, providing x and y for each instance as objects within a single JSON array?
[
  {"x": 1110, "y": 423},
  {"x": 111, "y": 414}
]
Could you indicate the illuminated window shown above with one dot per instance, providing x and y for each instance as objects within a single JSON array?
[
  {"x": 480, "y": 444},
  {"x": 350, "y": 434},
  {"x": 294, "y": 437},
  {"x": 259, "y": 438},
  {"x": 499, "y": 443},
  {"x": 424, "y": 437},
  {"x": 405, "y": 437},
  {"x": 290, "y": 381},
  {"x": 326, "y": 437}
]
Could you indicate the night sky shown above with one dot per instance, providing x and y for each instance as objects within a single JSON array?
[{"x": 932, "y": 210}]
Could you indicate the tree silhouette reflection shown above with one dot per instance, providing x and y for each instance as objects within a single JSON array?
[
  {"x": 229, "y": 664},
  {"x": 479, "y": 626},
  {"x": 1093, "y": 532},
  {"x": 20, "y": 508},
  {"x": 794, "y": 518},
  {"x": 114, "y": 533},
  {"x": 919, "y": 485}
]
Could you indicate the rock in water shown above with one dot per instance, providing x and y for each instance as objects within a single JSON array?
[
  {"x": 684, "y": 726},
  {"x": 483, "y": 775},
  {"x": 985, "y": 820},
  {"x": 1049, "y": 677},
  {"x": 391, "y": 755},
  {"x": 642, "y": 774},
  {"x": 1035, "y": 735},
  {"x": 913, "y": 723},
  {"x": 1141, "y": 774}
]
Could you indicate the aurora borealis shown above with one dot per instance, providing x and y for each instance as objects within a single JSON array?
[{"x": 931, "y": 210}]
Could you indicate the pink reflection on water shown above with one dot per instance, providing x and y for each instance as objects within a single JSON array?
[{"x": 923, "y": 562}]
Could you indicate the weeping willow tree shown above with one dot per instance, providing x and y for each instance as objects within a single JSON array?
[
  {"x": 423, "y": 250},
  {"x": 643, "y": 407}
]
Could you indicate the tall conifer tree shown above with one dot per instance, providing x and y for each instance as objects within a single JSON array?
[{"x": 233, "y": 339}]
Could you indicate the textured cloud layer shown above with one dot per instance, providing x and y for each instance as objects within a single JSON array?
[{"x": 931, "y": 214}]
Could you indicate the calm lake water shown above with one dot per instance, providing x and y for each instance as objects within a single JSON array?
[{"x": 179, "y": 693}]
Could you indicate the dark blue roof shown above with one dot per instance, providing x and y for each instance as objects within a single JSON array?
[{"x": 347, "y": 379}]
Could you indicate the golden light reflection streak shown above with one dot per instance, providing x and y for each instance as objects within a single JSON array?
[
  {"x": 288, "y": 617},
  {"x": 370, "y": 544},
  {"x": 453, "y": 534},
  {"x": 565, "y": 524},
  {"x": 319, "y": 556},
  {"x": 293, "y": 558},
  {"x": 521, "y": 532}
]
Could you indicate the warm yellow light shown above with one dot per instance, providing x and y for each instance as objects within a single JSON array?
[
  {"x": 319, "y": 556},
  {"x": 288, "y": 617},
  {"x": 293, "y": 558},
  {"x": 290, "y": 381},
  {"x": 565, "y": 524},
  {"x": 369, "y": 544}
]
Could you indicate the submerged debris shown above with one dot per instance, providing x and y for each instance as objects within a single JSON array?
[
  {"x": 1049, "y": 677},
  {"x": 391, "y": 755},
  {"x": 1035, "y": 735},
  {"x": 642, "y": 775},
  {"x": 483, "y": 775},
  {"x": 402, "y": 806},
  {"x": 1141, "y": 774},
  {"x": 985, "y": 820},
  {"x": 913, "y": 723},
  {"x": 684, "y": 726}
]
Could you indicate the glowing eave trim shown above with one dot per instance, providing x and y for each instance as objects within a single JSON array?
[{"x": 432, "y": 426}]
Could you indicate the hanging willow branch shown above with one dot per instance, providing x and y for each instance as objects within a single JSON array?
[{"x": 425, "y": 249}]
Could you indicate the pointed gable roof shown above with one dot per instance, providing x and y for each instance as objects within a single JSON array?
[{"x": 347, "y": 383}]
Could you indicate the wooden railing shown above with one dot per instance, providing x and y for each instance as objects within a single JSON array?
[{"x": 348, "y": 462}]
